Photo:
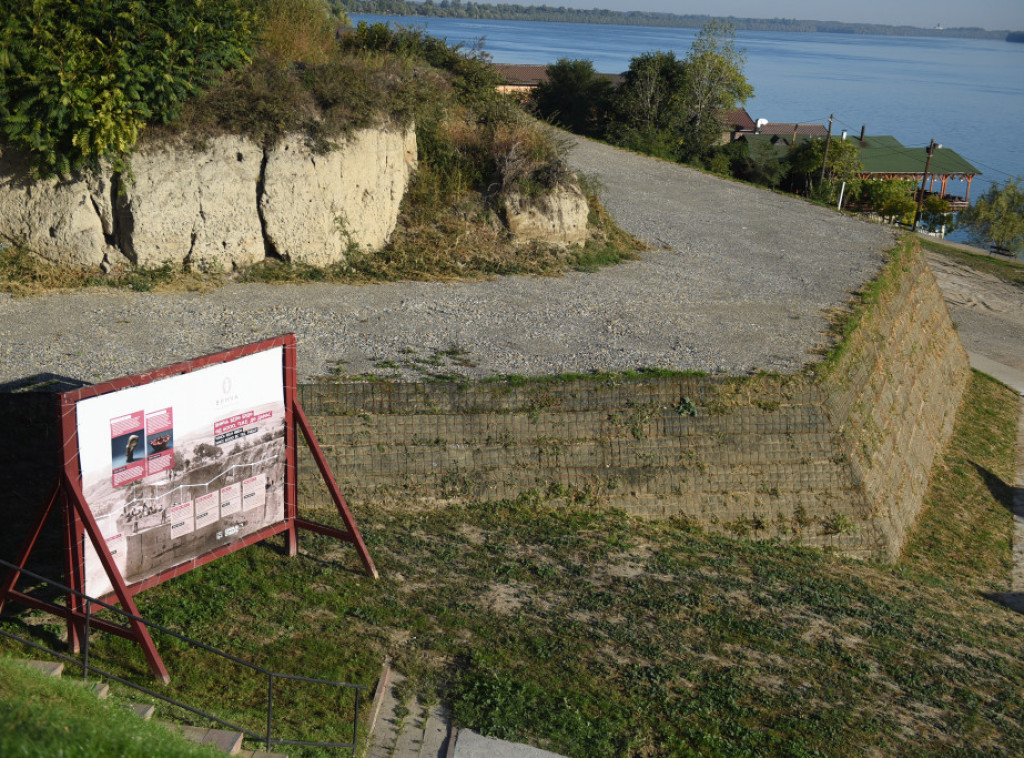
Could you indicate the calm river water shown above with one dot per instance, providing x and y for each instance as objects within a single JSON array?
[{"x": 966, "y": 94}]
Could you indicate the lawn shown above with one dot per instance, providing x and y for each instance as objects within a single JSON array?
[{"x": 591, "y": 633}]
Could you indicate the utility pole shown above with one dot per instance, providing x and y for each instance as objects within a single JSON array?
[
  {"x": 824, "y": 160},
  {"x": 924, "y": 180}
]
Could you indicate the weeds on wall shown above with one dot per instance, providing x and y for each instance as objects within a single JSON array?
[
  {"x": 23, "y": 273},
  {"x": 845, "y": 322}
]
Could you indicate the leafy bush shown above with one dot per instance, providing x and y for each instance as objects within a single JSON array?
[
  {"x": 271, "y": 97},
  {"x": 300, "y": 30},
  {"x": 474, "y": 79},
  {"x": 807, "y": 158},
  {"x": 79, "y": 80},
  {"x": 936, "y": 213},
  {"x": 892, "y": 199},
  {"x": 471, "y": 137},
  {"x": 574, "y": 96}
]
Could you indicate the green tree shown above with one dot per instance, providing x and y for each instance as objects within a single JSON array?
[
  {"x": 892, "y": 199},
  {"x": 649, "y": 109},
  {"x": 79, "y": 79},
  {"x": 574, "y": 96},
  {"x": 806, "y": 159},
  {"x": 997, "y": 217},
  {"x": 760, "y": 163},
  {"x": 936, "y": 212},
  {"x": 713, "y": 84}
]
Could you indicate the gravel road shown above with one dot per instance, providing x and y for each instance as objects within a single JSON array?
[{"x": 738, "y": 280}]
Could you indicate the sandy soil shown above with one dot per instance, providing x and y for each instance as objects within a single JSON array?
[{"x": 988, "y": 312}]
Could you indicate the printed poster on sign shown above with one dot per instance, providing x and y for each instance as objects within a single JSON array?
[
  {"x": 127, "y": 458},
  {"x": 159, "y": 441},
  {"x": 176, "y": 468}
]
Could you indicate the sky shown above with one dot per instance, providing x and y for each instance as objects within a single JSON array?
[{"x": 988, "y": 14}]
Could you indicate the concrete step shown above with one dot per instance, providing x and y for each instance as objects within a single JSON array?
[
  {"x": 56, "y": 669},
  {"x": 409, "y": 729},
  {"x": 222, "y": 739},
  {"x": 143, "y": 710},
  {"x": 100, "y": 689},
  {"x": 47, "y": 668},
  {"x": 260, "y": 754}
]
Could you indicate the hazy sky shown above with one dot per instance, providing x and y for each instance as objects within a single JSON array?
[{"x": 988, "y": 14}]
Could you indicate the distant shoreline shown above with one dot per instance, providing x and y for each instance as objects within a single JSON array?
[{"x": 485, "y": 12}]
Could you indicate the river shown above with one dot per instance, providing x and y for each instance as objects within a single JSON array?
[{"x": 966, "y": 94}]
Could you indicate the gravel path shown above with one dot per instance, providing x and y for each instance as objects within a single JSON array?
[{"x": 740, "y": 280}]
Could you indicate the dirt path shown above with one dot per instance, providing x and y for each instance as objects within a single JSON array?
[{"x": 988, "y": 312}]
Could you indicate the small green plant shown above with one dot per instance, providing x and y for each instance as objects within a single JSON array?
[
  {"x": 838, "y": 523},
  {"x": 801, "y": 517},
  {"x": 686, "y": 407}
]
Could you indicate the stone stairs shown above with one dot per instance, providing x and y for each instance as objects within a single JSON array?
[
  {"x": 407, "y": 728},
  {"x": 228, "y": 741}
]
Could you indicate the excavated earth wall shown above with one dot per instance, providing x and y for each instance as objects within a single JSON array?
[{"x": 228, "y": 204}]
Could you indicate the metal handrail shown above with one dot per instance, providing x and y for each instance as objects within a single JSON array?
[{"x": 268, "y": 739}]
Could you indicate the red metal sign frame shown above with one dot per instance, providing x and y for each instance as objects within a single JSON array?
[{"x": 79, "y": 523}]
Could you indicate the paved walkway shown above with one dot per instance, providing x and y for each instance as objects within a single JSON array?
[{"x": 471, "y": 745}]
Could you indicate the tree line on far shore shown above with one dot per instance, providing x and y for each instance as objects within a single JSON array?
[{"x": 518, "y": 12}]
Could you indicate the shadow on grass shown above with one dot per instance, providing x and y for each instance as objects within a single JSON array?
[
  {"x": 1012, "y": 600},
  {"x": 1000, "y": 490}
]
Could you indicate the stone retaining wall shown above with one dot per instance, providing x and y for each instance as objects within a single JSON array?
[{"x": 840, "y": 457}]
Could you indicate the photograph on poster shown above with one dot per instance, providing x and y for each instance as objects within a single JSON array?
[
  {"x": 159, "y": 441},
  {"x": 206, "y": 467},
  {"x": 127, "y": 458}
]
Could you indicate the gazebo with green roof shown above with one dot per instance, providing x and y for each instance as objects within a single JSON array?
[{"x": 883, "y": 157}]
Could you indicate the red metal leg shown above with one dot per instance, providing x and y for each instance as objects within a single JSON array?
[
  {"x": 339, "y": 500},
  {"x": 120, "y": 588},
  {"x": 30, "y": 542}
]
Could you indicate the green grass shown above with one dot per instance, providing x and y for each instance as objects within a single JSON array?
[
  {"x": 590, "y": 633},
  {"x": 1008, "y": 271},
  {"x": 961, "y": 538},
  {"x": 45, "y": 717}
]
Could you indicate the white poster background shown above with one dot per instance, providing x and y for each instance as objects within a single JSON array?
[{"x": 199, "y": 400}]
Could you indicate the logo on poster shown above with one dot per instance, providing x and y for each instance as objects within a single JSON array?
[{"x": 226, "y": 395}]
